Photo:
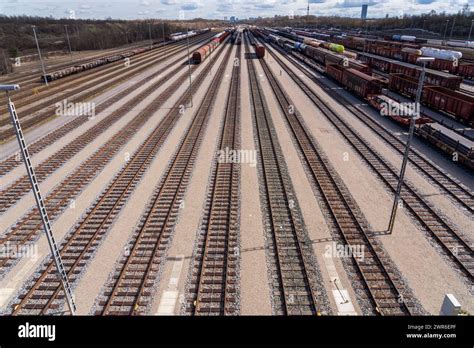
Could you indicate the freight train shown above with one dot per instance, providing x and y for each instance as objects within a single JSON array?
[
  {"x": 201, "y": 54},
  {"x": 391, "y": 66},
  {"x": 445, "y": 60},
  {"x": 109, "y": 59},
  {"x": 403, "y": 48},
  {"x": 92, "y": 64},
  {"x": 358, "y": 79}
]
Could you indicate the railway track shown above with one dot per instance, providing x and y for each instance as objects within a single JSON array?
[
  {"x": 214, "y": 280},
  {"x": 290, "y": 255},
  {"x": 12, "y": 161},
  {"x": 21, "y": 186},
  {"x": 31, "y": 80},
  {"x": 377, "y": 274},
  {"x": 86, "y": 92},
  {"x": 25, "y": 96},
  {"x": 456, "y": 246},
  {"x": 28, "y": 228},
  {"x": 130, "y": 290},
  {"x": 45, "y": 295}
]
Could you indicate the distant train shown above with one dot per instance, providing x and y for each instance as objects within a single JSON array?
[
  {"x": 201, "y": 54},
  {"x": 357, "y": 77},
  {"x": 107, "y": 59}
]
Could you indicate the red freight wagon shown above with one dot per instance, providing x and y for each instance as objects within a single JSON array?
[
  {"x": 360, "y": 83},
  {"x": 444, "y": 65},
  {"x": 400, "y": 68},
  {"x": 453, "y": 102},
  {"x": 379, "y": 64},
  {"x": 404, "y": 84},
  {"x": 202, "y": 53},
  {"x": 260, "y": 51},
  {"x": 335, "y": 71},
  {"x": 466, "y": 71},
  {"x": 431, "y": 77},
  {"x": 318, "y": 54},
  {"x": 443, "y": 80}
]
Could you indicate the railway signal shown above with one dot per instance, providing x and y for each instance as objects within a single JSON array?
[
  {"x": 413, "y": 119},
  {"x": 39, "y": 199}
]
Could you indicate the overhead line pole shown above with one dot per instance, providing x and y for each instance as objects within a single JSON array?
[
  {"x": 39, "y": 54},
  {"x": 68, "y": 42},
  {"x": 39, "y": 201}
]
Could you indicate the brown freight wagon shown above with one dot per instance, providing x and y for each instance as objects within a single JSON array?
[
  {"x": 360, "y": 83},
  {"x": 444, "y": 65},
  {"x": 260, "y": 51},
  {"x": 379, "y": 64},
  {"x": 458, "y": 104},
  {"x": 403, "y": 84},
  {"x": 335, "y": 71},
  {"x": 466, "y": 71},
  {"x": 438, "y": 78}
]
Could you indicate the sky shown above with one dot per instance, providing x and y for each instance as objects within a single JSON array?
[{"x": 219, "y": 9}]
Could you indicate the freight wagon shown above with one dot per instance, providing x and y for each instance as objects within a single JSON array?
[
  {"x": 325, "y": 56},
  {"x": 259, "y": 50},
  {"x": 205, "y": 51},
  {"x": 392, "y": 66},
  {"x": 404, "y": 84},
  {"x": 466, "y": 71},
  {"x": 453, "y": 102},
  {"x": 448, "y": 142},
  {"x": 399, "y": 112},
  {"x": 360, "y": 83},
  {"x": 104, "y": 60}
]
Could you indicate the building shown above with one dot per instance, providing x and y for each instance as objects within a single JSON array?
[{"x": 363, "y": 15}]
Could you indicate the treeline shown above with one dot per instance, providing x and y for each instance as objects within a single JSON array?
[
  {"x": 17, "y": 39},
  {"x": 431, "y": 24}
]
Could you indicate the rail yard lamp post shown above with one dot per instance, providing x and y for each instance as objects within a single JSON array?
[
  {"x": 163, "y": 29},
  {"x": 39, "y": 199},
  {"x": 445, "y": 29},
  {"x": 68, "y": 42},
  {"x": 39, "y": 54},
  {"x": 189, "y": 68},
  {"x": 149, "y": 31},
  {"x": 414, "y": 116},
  {"x": 470, "y": 30},
  {"x": 452, "y": 29}
]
